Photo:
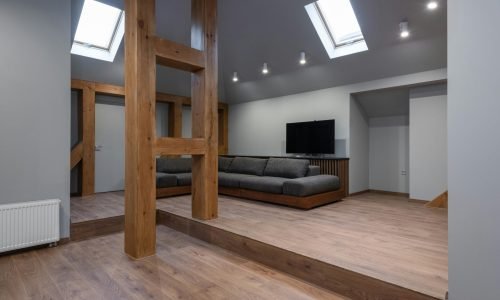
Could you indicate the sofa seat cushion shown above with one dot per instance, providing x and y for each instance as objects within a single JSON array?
[
  {"x": 173, "y": 165},
  {"x": 286, "y": 167},
  {"x": 231, "y": 179},
  {"x": 164, "y": 180},
  {"x": 184, "y": 179},
  {"x": 312, "y": 185},
  {"x": 264, "y": 184},
  {"x": 248, "y": 165},
  {"x": 224, "y": 163}
]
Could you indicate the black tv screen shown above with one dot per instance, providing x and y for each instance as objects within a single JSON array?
[{"x": 317, "y": 137}]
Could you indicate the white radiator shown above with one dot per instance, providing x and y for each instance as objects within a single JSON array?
[{"x": 29, "y": 224}]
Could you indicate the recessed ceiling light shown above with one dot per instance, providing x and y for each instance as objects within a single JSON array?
[
  {"x": 403, "y": 28},
  {"x": 265, "y": 70},
  {"x": 432, "y": 5},
  {"x": 303, "y": 60},
  {"x": 235, "y": 77}
]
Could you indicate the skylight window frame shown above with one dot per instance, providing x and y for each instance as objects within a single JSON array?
[
  {"x": 334, "y": 49},
  {"x": 98, "y": 52},
  {"x": 111, "y": 40}
]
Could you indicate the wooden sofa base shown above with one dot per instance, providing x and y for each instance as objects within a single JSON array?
[
  {"x": 173, "y": 191},
  {"x": 307, "y": 202}
]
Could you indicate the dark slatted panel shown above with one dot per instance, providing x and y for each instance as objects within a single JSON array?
[{"x": 335, "y": 167}]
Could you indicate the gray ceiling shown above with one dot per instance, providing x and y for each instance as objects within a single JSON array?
[
  {"x": 276, "y": 31},
  {"x": 385, "y": 103}
]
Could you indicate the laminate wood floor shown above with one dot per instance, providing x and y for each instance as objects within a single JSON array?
[
  {"x": 98, "y": 206},
  {"x": 381, "y": 236},
  {"x": 183, "y": 268}
]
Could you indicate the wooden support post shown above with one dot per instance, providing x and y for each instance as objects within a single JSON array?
[
  {"x": 140, "y": 93},
  {"x": 88, "y": 140},
  {"x": 204, "y": 109},
  {"x": 175, "y": 119}
]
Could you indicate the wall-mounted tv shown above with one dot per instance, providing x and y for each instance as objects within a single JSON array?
[{"x": 316, "y": 137}]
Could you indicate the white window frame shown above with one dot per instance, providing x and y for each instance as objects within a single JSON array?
[
  {"x": 334, "y": 50},
  {"x": 96, "y": 52}
]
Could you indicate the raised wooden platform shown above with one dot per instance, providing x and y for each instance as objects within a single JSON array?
[{"x": 371, "y": 246}]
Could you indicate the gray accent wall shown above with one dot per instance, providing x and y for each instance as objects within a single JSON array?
[
  {"x": 473, "y": 148},
  {"x": 35, "y": 106}
]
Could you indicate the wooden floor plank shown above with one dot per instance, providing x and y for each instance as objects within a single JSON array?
[{"x": 187, "y": 269}]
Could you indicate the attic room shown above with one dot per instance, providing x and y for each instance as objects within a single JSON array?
[{"x": 229, "y": 149}]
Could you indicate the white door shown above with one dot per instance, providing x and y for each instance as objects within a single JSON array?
[{"x": 110, "y": 146}]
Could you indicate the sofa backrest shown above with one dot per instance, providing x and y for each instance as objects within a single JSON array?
[
  {"x": 248, "y": 165},
  {"x": 286, "y": 167},
  {"x": 224, "y": 163},
  {"x": 173, "y": 165}
]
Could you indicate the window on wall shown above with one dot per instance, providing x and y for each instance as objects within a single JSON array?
[
  {"x": 337, "y": 26},
  {"x": 100, "y": 31}
]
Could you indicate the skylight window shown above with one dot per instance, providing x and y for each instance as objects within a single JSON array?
[
  {"x": 100, "y": 31},
  {"x": 337, "y": 27}
]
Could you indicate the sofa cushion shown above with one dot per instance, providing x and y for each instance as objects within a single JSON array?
[
  {"x": 184, "y": 179},
  {"x": 313, "y": 170},
  {"x": 224, "y": 163},
  {"x": 312, "y": 185},
  {"x": 231, "y": 179},
  {"x": 286, "y": 167},
  {"x": 173, "y": 165},
  {"x": 248, "y": 165},
  {"x": 165, "y": 180},
  {"x": 264, "y": 184}
]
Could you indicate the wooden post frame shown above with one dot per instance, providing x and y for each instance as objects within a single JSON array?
[{"x": 142, "y": 51}]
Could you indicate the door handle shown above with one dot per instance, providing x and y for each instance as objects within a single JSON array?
[{"x": 97, "y": 147}]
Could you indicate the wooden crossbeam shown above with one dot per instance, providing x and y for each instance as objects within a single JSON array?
[
  {"x": 178, "y": 56},
  {"x": 76, "y": 154},
  {"x": 178, "y": 146}
]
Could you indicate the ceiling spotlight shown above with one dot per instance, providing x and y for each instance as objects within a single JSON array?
[
  {"x": 432, "y": 5},
  {"x": 265, "y": 70},
  {"x": 235, "y": 77},
  {"x": 303, "y": 60},
  {"x": 403, "y": 28}
]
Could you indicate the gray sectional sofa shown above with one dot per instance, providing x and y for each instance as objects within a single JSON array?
[{"x": 291, "y": 182}]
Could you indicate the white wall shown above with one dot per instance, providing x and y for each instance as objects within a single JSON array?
[
  {"x": 389, "y": 154},
  {"x": 258, "y": 127},
  {"x": 35, "y": 102},
  {"x": 474, "y": 145},
  {"x": 428, "y": 144},
  {"x": 359, "y": 138}
]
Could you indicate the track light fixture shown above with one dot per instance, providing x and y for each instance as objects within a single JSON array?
[
  {"x": 303, "y": 60},
  {"x": 235, "y": 77},
  {"x": 403, "y": 29},
  {"x": 265, "y": 70}
]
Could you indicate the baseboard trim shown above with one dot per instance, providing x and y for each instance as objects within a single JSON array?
[
  {"x": 389, "y": 193},
  {"x": 359, "y": 193}
]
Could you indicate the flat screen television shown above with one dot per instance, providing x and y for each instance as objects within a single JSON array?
[{"x": 316, "y": 137}]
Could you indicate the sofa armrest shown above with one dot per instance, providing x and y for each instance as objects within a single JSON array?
[
  {"x": 311, "y": 185},
  {"x": 313, "y": 170}
]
